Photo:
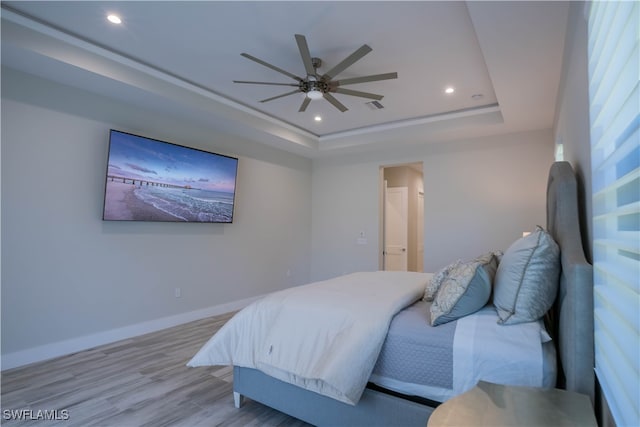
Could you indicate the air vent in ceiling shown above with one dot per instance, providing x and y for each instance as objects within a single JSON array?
[{"x": 374, "y": 105}]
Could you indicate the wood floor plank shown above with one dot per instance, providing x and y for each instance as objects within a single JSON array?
[{"x": 142, "y": 381}]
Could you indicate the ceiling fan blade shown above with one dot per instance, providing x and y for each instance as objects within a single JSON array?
[
  {"x": 372, "y": 78},
  {"x": 347, "y": 62},
  {"x": 335, "y": 102},
  {"x": 304, "y": 105},
  {"x": 306, "y": 56},
  {"x": 358, "y": 93},
  {"x": 281, "y": 96},
  {"x": 273, "y": 67},
  {"x": 265, "y": 83}
]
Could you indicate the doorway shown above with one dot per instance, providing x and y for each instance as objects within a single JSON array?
[
  {"x": 402, "y": 217},
  {"x": 396, "y": 230}
]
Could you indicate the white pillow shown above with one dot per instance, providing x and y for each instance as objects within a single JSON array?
[
  {"x": 436, "y": 280},
  {"x": 527, "y": 279}
]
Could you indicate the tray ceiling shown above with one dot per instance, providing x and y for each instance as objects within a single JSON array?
[{"x": 503, "y": 59}]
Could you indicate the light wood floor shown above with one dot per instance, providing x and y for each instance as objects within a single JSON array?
[{"x": 141, "y": 381}]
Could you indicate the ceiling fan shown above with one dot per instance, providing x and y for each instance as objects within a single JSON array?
[{"x": 317, "y": 86}]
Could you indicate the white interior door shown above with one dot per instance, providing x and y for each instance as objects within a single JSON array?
[
  {"x": 395, "y": 228},
  {"x": 420, "y": 232}
]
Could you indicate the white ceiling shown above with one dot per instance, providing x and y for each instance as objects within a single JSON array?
[{"x": 182, "y": 58}]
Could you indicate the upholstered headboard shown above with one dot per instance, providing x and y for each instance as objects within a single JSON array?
[{"x": 572, "y": 314}]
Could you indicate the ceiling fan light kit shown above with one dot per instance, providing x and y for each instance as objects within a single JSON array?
[
  {"x": 317, "y": 86},
  {"x": 314, "y": 94}
]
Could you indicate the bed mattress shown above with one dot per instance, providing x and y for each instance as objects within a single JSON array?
[
  {"x": 418, "y": 359},
  {"x": 415, "y": 352}
]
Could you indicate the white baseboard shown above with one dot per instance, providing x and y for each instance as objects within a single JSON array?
[{"x": 74, "y": 345}]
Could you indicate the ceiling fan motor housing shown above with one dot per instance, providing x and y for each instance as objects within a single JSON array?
[{"x": 311, "y": 83}]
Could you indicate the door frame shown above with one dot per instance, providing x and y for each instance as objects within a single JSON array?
[{"x": 418, "y": 165}]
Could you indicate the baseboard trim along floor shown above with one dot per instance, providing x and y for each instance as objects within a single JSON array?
[{"x": 70, "y": 346}]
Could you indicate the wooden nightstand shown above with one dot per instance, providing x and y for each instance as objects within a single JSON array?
[{"x": 495, "y": 405}]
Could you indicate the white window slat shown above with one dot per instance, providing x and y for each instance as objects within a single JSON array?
[
  {"x": 619, "y": 300},
  {"x": 613, "y": 379},
  {"x": 621, "y": 115},
  {"x": 619, "y": 77},
  {"x": 618, "y": 50},
  {"x": 614, "y": 112},
  {"x": 619, "y": 156},
  {"x": 615, "y": 355},
  {"x": 626, "y": 272},
  {"x": 606, "y": 185},
  {"x": 604, "y": 37}
]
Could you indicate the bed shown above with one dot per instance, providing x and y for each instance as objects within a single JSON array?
[{"x": 395, "y": 387}]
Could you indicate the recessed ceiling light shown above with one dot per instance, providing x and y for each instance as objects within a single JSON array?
[
  {"x": 114, "y": 19},
  {"x": 317, "y": 118},
  {"x": 449, "y": 90}
]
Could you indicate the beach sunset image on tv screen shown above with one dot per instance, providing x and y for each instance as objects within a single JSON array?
[{"x": 151, "y": 180}]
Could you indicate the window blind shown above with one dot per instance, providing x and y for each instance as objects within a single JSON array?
[{"x": 614, "y": 96}]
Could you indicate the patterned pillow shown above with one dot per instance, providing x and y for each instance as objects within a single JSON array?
[
  {"x": 436, "y": 280},
  {"x": 465, "y": 290},
  {"x": 527, "y": 278}
]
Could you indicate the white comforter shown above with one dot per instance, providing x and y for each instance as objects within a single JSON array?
[{"x": 324, "y": 337}]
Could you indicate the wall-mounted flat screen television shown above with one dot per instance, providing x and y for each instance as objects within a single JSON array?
[{"x": 151, "y": 180}]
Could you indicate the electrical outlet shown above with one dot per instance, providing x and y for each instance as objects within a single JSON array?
[{"x": 177, "y": 292}]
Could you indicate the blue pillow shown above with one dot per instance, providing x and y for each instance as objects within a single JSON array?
[
  {"x": 465, "y": 290},
  {"x": 527, "y": 278}
]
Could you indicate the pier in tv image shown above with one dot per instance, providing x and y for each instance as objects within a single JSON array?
[{"x": 152, "y": 180}]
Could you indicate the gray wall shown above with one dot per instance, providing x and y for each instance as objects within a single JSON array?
[
  {"x": 479, "y": 195},
  {"x": 67, "y": 274},
  {"x": 572, "y": 115}
]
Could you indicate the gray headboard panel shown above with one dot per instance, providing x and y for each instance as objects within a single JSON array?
[{"x": 572, "y": 315}]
